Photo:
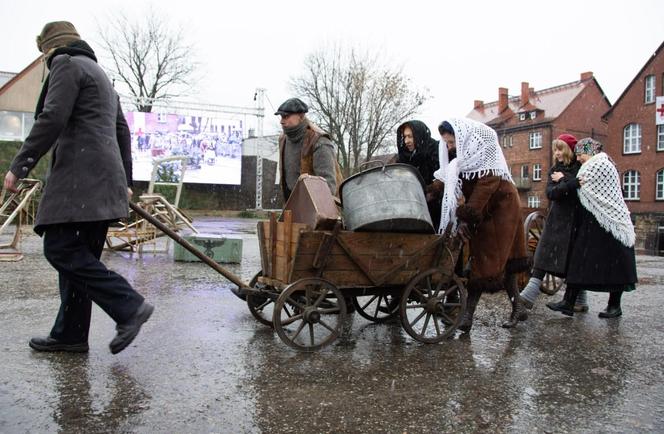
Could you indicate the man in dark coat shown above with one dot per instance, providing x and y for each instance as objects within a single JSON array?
[
  {"x": 79, "y": 118},
  {"x": 416, "y": 147},
  {"x": 305, "y": 148}
]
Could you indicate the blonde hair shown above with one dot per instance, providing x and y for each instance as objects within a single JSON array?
[{"x": 559, "y": 145}]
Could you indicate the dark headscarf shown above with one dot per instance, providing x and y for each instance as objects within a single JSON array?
[{"x": 425, "y": 155}]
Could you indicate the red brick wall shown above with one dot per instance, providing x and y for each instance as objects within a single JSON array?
[{"x": 631, "y": 108}]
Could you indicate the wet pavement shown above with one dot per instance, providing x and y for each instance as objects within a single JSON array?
[{"x": 204, "y": 364}]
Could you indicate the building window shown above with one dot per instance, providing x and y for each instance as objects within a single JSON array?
[
  {"x": 660, "y": 137},
  {"x": 524, "y": 172},
  {"x": 533, "y": 115},
  {"x": 162, "y": 118},
  {"x": 533, "y": 201},
  {"x": 631, "y": 185},
  {"x": 632, "y": 139},
  {"x": 535, "y": 140},
  {"x": 522, "y": 116},
  {"x": 659, "y": 188},
  {"x": 649, "y": 89},
  {"x": 537, "y": 172}
]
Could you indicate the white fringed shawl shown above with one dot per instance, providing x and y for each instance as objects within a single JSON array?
[
  {"x": 478, "y": 155},
  {"x": 602, "y": 196}
]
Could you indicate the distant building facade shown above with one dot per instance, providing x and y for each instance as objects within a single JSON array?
[
  {"x": 18, "y": 98},
  {"x": 528, "y": 123},
  {"x": 636, "y": 143}
]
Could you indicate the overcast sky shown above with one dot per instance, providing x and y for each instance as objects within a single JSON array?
[{"x": 460, "y": 51}]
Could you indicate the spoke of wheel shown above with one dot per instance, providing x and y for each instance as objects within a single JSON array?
[
  {"x": 445, "y": 316},
  {"x": 287, "y": 311},
  {"x": 320, "y": 298},
  {"x": 293, "y": 302},
  {"x": 429, "y": 289},
  {"x": 435, "y": 322},
  {"x": 329, "y": 310},
  {"x": 292, "y": 319},
  {"x": 299, "y": 329},
  {"x": 446, "y": 304},
  {"x": 369, "y": 302},
  {"x": 426, "y": 324},
  {"x": 262, "y": 305},
  {"x": 438, "y": 288},
  {"x": 419, "y": 317},
  {"x": 415, "y": 306},
  {"x": 311, "y": 334},
  {"x": 324, "y": 324},
  {"x": 375, "y": 315}
]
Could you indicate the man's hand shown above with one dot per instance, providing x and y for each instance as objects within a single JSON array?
[
  {"x": 10, "y": 182},
  {"x": 464, "y": 231}
]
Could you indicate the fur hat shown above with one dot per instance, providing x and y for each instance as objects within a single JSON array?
[
  {"x": 56, "y": 34},
  {"x": 569, "y": 139}
]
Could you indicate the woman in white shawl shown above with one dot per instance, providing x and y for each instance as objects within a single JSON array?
[
  {"x": 481, "y": 204},
  {"x": 602, "y": 257}
]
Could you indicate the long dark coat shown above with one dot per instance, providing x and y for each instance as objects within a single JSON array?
[
  {"x": 599, "y": 262},
  {"x": 554, "y": 245},
  {"x": 83, "y": 124}
]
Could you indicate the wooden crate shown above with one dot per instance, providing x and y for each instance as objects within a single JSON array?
[{"x": 278, "y": 241}]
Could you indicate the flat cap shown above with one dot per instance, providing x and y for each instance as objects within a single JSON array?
[{"x": 292, "y": 105}]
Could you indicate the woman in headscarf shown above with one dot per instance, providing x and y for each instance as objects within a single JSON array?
[
  {"x": 481, "y": 204},
  {"x": 417, "y": 148},
  {"x": 602, "y": 258}
]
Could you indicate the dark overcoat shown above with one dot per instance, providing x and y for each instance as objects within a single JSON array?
[
  {"x": 554, "y": 245},
  {"x": 82, "y": 123}
]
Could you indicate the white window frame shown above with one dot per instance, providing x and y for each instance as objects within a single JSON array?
[
  {"x": 649, "y": 89},
  {"x": 533, "y": 115},
  {"x": 631, "y": 185},
  {"x": 535, "y": 140},
  {"x": 537, "y": 172},
  {"x": 660, "y": 137},
  {"x": 522, "y": 116},
  {"x": 534, "y": 201},
  {"x": 659, "y": 185},
  {"x": 632, "y": 139}
]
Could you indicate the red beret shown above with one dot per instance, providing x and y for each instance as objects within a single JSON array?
[{"x": 569, "y": 139}]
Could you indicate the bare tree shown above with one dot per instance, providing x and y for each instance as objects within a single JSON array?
[
  {"x": 150, "y": 57},
  {"x": 357, "y": 100}
]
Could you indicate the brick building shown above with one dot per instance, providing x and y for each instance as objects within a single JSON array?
[
  {"x": 528, "y": 123},
  {"x": 636, "y": 144}
]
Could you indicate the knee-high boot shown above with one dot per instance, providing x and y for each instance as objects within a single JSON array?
[
  {"x": 467, "y": 319},
  {"x": 519, "y": 312}
]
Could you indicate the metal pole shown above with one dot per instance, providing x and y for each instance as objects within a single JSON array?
[{"x": 184, "y": 243}]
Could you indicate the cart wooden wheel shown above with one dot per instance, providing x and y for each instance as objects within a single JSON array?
[
  {"x": 432, "y": 306},
  {"x": 320, "y": 311},
  {"x": 534, "y": 227},
  {"x": 377, "y": 308},
  {"x": 260, "y": 306}
]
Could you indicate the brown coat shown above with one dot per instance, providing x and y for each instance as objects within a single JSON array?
[
  {"x": 311, "y": 137},
  {"x": 493, "y": 212}
]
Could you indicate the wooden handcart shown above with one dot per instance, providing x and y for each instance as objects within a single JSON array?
[{"x": 310, "y": 277}]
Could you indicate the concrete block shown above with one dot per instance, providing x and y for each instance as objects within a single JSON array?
[{"x": 221, "y": 248}]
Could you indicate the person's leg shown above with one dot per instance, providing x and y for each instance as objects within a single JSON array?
[
  {"x": 519, "y": 312},
  {"x": 566, "y": 305},
  {"x": 530, "y": 293},
  {"x": 471, "y": 303},
  {"x": 613, "y": 309},
  {"x": 581, "y": 301}
]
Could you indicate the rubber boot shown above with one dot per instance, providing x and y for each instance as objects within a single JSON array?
[
  {"x": 566, "y": 305},
  {"x": 519, "y": 312},
  {"x": 471, "y": 304}
]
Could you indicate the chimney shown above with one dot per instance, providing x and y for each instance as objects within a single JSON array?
[
  {"x": 525, "y": 93},
  {"x": 502, "y": 99},
  {"x": 586, "y": 75},
  {"x": 478, "y": 105}
]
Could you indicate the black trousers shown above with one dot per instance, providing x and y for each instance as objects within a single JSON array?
[{"x": 74, "y": 249}]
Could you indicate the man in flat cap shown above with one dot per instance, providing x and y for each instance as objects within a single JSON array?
[
  {"x": 78, "y": 117},
  {"x": 305, "y": 148}
]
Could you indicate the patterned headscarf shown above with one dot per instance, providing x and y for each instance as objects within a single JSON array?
[
  {"x": 478, "y": 155},
  {"x": 588, "y": 146}
]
